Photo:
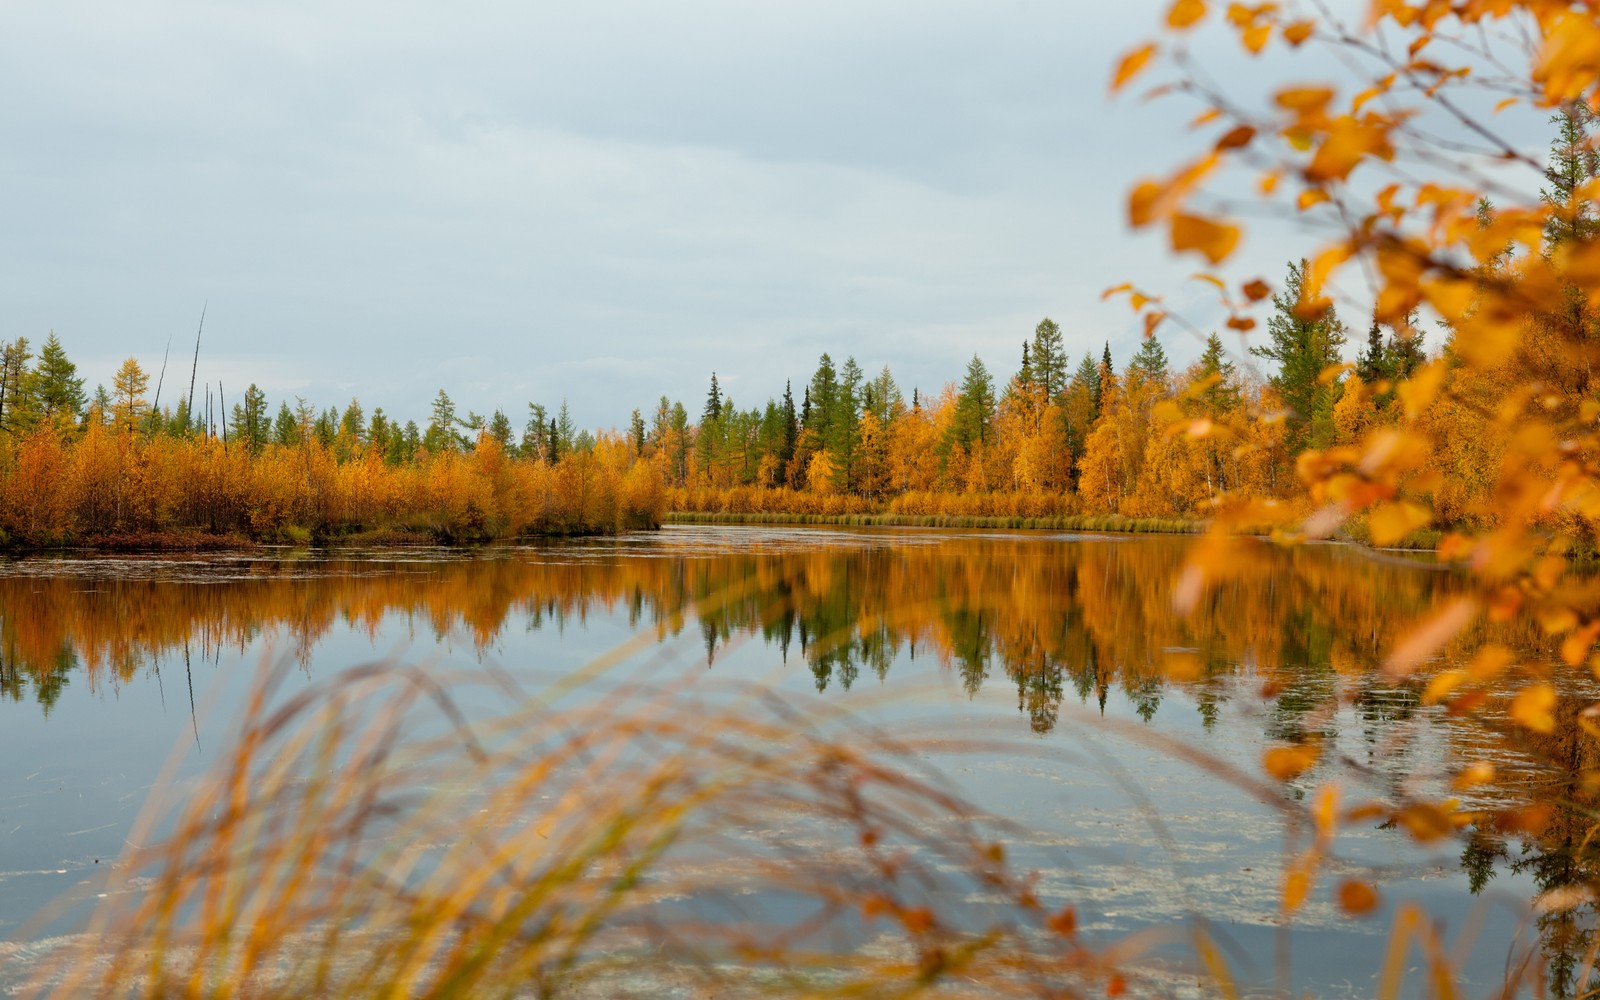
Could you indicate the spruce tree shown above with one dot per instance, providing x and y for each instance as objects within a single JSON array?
[
  {"x": 1049, "y": 358},
  {"x": 57, "y": 388},
  {"x": 1303, "y": 349},
  {"x": 713, "y": 409},
  {"x": 1149, "y": 363}
]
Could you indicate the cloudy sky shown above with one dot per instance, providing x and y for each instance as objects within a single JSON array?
[{"x": 602, "y": 201}]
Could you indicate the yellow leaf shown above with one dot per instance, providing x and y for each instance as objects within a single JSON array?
[
  {"x": 1295, "y": 34},
  {"x": 1296, "y": 887},
  {"x": 1287, "y": 762},
  {"x": 1502, "y": 105},
  {"x": 1418, "y": 391},
  {"x": 1255, "y": 37},
  {"x": 1533, "y": 708},
  {"x": 1131, "y": 64},
  {"x": 1473, "y": 775},
  {"x": 1216, "y": 240},
  {"x": 1310, "y": 197},
  {"x": 1429, "y": 638},
  {"x": 1391, "y": 522},
  {"x": 1184, "y": 13},
  {"x": 1304, "y": 100}
]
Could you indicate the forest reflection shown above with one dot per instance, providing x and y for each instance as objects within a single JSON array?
[
  {"x": 1048, "y": 617},
  {"x": 1054, "y": 619}
]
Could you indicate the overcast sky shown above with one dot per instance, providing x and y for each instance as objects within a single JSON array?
[{"x": 604, "y": 201}]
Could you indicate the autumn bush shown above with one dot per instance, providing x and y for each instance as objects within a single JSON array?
[{"x": 65, "y": 487}]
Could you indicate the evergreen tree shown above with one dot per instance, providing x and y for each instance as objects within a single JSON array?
[
  {"x": 353, "y": 422},
  {"x": 1025, "y": 372},
  {"x": 1573, "y": 162},
  {"x": 1088, "y": 376},
  {"x": 379, "y": 431},
  {"x": 1372, "y": 364},
  {"x": 441, "y": 434},
  {"x": 536, "y": 435},
  {"x": 250, "y": 419},
  {"x": 285, "y": 429},
  {"x": 636, "y": 432},
  {"x": 786, "y": 452},
  {"x": 974, "y": 406},
  {"x": 499, "y": 430},
  {"x": 713, "y": 411},
  {"x": 1303, "y": 349},
  {"x": 1049, "y": 358},
  {"x": 566, "y": 431},
  {"x": 1225, "y": 393},
  {"x": 14, "y": 357},
  {"x": 1149, "y": 363},
  {"x": 56, "y": 386},
  {"x": 824, "y": 396}
]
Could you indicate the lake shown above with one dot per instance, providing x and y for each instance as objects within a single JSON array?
[{"x": 1043, "y": 677}]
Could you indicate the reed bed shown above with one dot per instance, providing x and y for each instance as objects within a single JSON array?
[{"x": 567, "y": 849}]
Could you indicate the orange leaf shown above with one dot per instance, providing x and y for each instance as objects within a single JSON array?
[
  {"x": 1216, "y": 240},
  {"x": 1391, "y": 522},
  {"x": 1429, "y": 638},
  {"x": 1236, "y": 137},
  {"x": 1131, "y": 64},
  {"x": 1255, "y": 38},
  {"x": 1534, "y": 708},
  {"x": 1296, "y": 34},
  {"x": 1288, "y": 762},
  {"x": 1183, "y": 13},
  {"x": 1357, "y": 898},
  {"x": 1256, "y": 290}
]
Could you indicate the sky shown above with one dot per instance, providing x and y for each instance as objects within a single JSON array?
[{"x": 601, "y": 202}]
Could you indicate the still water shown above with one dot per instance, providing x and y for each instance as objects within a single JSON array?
[{"x": 1052, "y": 655}]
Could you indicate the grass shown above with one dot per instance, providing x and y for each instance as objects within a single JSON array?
[{"x": 564, "y": 850}]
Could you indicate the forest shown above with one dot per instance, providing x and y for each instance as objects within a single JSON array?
[{"x": 1140, "y": 439}]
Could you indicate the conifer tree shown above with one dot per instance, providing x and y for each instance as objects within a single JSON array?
[
  {"x": 1150, "y": 362},
  {"x": 1049, "y": 359},
  {"x": 57, "y": 388},
  {"x": 285, "y": 429},
  {"x": 1303, "y": 349},
  {"x": 636, "y": 432},
  {"x": 713, "y": 409},
  {"x": 974, "y": 406}
]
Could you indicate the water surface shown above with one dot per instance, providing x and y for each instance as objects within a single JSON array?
[{"x": 1056, "y": 650}]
